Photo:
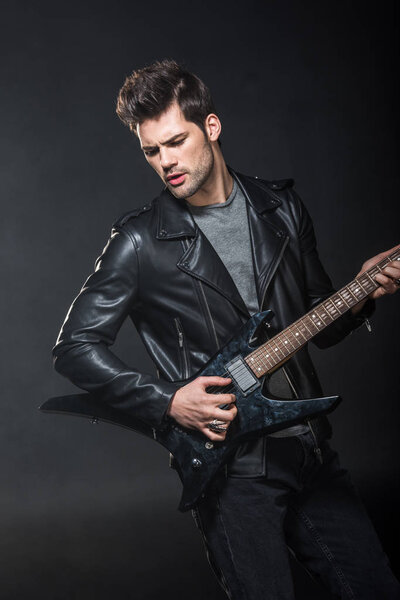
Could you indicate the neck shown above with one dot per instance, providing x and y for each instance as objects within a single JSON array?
[
  {"x": 269, "y": 356},
  {"x": 218, "y": 186}
]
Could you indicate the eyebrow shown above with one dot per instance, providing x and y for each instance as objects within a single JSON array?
[{"x": 171, "y": 139}]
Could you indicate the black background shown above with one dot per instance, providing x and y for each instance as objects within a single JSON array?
[{"x": 304, "y": 89}]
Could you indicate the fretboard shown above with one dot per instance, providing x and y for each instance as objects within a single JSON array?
[{"x": 278, "y": 349}]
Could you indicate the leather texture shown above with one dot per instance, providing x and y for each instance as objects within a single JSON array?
[{"x": 160, "y": 270}]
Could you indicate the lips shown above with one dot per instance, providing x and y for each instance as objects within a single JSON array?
[{"x": 176, "y": 178}]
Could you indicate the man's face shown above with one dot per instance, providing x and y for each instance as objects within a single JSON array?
[{"x": 178, "y": 151}]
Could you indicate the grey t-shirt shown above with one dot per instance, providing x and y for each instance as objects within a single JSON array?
[{"x": 227, "y": 228}]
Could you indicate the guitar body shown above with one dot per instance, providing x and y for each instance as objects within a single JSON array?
[{"x": 196, "y": 458}]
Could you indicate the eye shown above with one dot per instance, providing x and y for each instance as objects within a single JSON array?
[
  {"x": 150, "y": 152},
  {"x": 178, "y": 143}
]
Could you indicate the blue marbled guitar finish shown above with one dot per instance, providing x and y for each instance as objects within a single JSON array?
[{"x": 196, "y": 458}]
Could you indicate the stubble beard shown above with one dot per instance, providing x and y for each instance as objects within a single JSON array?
[{"x": 197, "y": 176}]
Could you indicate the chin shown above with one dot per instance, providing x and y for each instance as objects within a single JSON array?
[{"x": 178, "y": 192}]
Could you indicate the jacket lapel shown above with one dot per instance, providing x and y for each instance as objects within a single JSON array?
[
  {"x": 268, "y": 234},
  {"x": 201, "y": 261}
]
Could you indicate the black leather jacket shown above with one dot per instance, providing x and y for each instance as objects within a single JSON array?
[{"x": 161, "y": 271}]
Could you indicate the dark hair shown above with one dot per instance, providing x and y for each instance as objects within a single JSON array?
[{"x": 150, "y": 91}]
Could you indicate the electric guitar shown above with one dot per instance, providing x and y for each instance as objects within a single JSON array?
[{"x": 196, "y": 458}]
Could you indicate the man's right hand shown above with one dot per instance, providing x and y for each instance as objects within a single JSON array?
[{"x": 194, "y": 408}]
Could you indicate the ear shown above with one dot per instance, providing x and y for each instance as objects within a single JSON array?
[{"x": 213, "y": 127}]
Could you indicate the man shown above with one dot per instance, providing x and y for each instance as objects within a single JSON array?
[{"x": 189, "y": 269}]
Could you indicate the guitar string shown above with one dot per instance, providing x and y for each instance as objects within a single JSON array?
[{"x": 226, "y": 390}]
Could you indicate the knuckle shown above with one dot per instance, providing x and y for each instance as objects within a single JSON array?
[{"x": 204, "y": 413}]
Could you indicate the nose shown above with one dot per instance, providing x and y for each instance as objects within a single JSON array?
[{"x": 167, "y": 159}]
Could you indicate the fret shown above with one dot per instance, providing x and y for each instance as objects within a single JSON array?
[
  {"x": 287, "y": 342},
  {"x": 289, "y": 336},
  {"x": 350, "y": 292},
  {"x": 332, "y": 309},
  {"x": 297, "y": 337},
  {"x": 346, "y": 296},
  {"x": 276, "y": 349},
  {"x": 252, "y": 361},
  {"x": 303, "y": 324},
  {"x": 317, "y": 321},
  {"x": 369, "y": 285},
  {"x": 339, "y": 304},
  {"x": 264, "y": 358},
  {"x": 358, "y": 289},
  {"x": 325, "y": 314},
  {"x": 256, "y": 366},
  {"x": 299, "y": 331},
  {"x": 311, "y": 325},
  {"x": 259, "y": 364},
  {"x": 259, "y": 368},
  {"x": 284, "y": 343},
  {"x": 287, "y": 346},
  {"x": 267, "y": 357},
  {"x": 383, "y": 262},
  {"x": 374, "y": 271},
  {"x": 341, "y": 294}
]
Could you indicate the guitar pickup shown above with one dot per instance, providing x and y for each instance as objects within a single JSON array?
[{"x": 242, "y": 375}]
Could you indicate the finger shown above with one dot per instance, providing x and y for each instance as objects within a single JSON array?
[
  {"x": 386, "y": 282},
  {"x": 229, "y": 404},
  {"x": 391, "y": 271},
  {"x": 218, "y": 399},
  {"x": 225, "y": 415},
  {"x": 219, "y": 423},
  {"x": 206, "y": 381},
  {"x": 385, "y": 288},
  {"x": 375, "y": 259},
  {"x": 214, "y": 437},
  {"x": 223, "y": 399},
  {"x": 228, "y": 408},
  {"x": 219, "y": 430}
]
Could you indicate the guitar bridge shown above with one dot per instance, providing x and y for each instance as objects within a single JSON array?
[{"x": 242, "y": 375}]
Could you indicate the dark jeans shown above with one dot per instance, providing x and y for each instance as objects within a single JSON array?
[{"x": 248, "y": 524}]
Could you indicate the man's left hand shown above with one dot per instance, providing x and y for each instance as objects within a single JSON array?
[{"x": 389, "y": 278}]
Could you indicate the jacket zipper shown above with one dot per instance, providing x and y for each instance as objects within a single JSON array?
[
  {"x": 274, "y": 269},
  {"x": 203, "y": 300},
  {"x": 182, "y": 346},
  {"x": 209, "y": 314},
  {"x": 317, "y": 449}
]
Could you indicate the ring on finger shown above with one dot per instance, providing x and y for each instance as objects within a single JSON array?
[
  {"x": 217, "y": 426},
  {"x": 397, "y": 281}
]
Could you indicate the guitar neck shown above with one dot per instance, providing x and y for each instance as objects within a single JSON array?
[{"x": 272, "y": 354}]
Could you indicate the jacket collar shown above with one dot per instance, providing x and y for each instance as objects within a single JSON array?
[
  {"x": 201, "y": 261},
  {"x": 175, "y": 220}
]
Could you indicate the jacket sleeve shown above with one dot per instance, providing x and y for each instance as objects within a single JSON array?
[
  {"x": 82, "y": 352},
  {"x": 318, "y": 284}
]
